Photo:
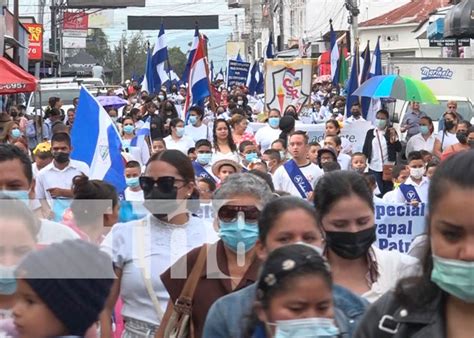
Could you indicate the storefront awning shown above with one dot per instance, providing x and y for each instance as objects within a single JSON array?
[{"x": 459, "y": 21}]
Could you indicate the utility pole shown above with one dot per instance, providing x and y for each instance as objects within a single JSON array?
[
  {"x": 16, "y": 31},
  {"x": 353, "y": 20},
  {"x": 282, "y": 30},
  {"x": 122, "y": 70}
]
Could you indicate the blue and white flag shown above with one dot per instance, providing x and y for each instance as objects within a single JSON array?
[
  {"x": 148, "y": 82},
  {"x": 270, "y": 50},
  {"x": 334, "y": 56},
  {"x": 353, "y": 82},
  {"x": 375, "y": 69},
  {"x": 239, "y": 57},
  {"x": 96, "y": 142},
  {"x": 159, "y": 58},
  {"x": 192, "y": 51},
  {"x": 141, "y": 134},
  {"x": 220, "y": 76},
  {"x": 174, "y": 77},
  {"x": 255, "y": 80}
]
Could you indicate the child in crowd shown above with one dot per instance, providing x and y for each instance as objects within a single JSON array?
[
  {"x": 223, "y": 168},
  {"x": 326, "y": 154},
  {"x": 248, "y": 153},
  {"x": 272, "y": 159},
  {"x": 61, "y": 289},
  {"x": 330, "y": 166},
  {"x": 371, "y": 181},
  {"x": 313, "y": 152},
  {"x": 258, "y": 165},
  {"x": 335, "y": 142},
  {"x": 192, "y": 154},
  {"x": 42, "y": 156},
  {"x": 426, "y": 155},
  {"x": 280, "y": 145},
  {"x": 400, "y": 174},
  {"x": 358, "y": 162},
  {"x": 133, "y": 192},
  {"x": 206, "y": 188},
  {"x": 158, "y": 145},
  {"x": 431, "y": 168}
]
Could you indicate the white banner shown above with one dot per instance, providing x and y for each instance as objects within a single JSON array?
[
  {"x": 354, "y": 132},
  {"x": 288, "y": 83},
  {"x": 398, "y": 225}
]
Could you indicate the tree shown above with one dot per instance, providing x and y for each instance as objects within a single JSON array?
[
  {"x": 97, "y": 45},
  {"x": 134, "y": 50},
  {"x": 177, "y": 60}
]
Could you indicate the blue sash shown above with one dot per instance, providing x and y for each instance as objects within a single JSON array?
[
  {"x": 298, "y": 179},
  {"x": 199, "y": 171},
  {"x": 409, "y": 192}
]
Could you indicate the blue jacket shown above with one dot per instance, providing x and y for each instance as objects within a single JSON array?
[{"x": 227, "y": 317}]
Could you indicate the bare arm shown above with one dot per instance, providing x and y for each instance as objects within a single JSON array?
[
  {"x": 106, "y": 315},
  {"x": 437, "y": 148}
]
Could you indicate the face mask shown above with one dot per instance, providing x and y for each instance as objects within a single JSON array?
[
  {"x": 240, "y": 102},
  {"x": 179, "y": 131},
  {"x": 425, "y": 130},
  {"x": 161, "y": 97},
  {"x": 133, "y": 101},
  {"x": 455, "y": 277},
  {"x": 167, "y": 202},
  {"x": 238, "y": 236},
  {"x": 274, "y": 122},
  {"x": 282, "y": 155},
  {"x": 471, "y": 144},
  {"x": 7, "y": 280},
  {"x": 204, "y": 159},
  {"x": 61, "y": 157},
  {"x": 251, "y": 157},
  {"x": 449, "y": 125},
  {"x": 306, "y": 327},
  {"x": 128, "y": 129},
  {"x": 193, "y": 119},
  {"x": 417, "y": 173},
  {"x": 380, "y": 123},
  {"x": 462, "y": 137},
  {"x": 21, "y": 195},
  {"x": 15, "y": 133},
  {"x": 132, "y": 182},
  {"x": 350, "y": 245},
  {"x": 114, "y": 119},
  {"x": 359, "y": 170}
]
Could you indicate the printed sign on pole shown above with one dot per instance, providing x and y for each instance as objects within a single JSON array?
[
  {"x": 35, "y": 40},
  {"x": 237, "y": 73}
]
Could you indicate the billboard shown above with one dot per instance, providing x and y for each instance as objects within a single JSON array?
[
  {"x": 105, "y": 3},
  {"x": 35, "y": 40},
  {"x": 76, "y": 21},
  {"x": 173, "y": 22}
]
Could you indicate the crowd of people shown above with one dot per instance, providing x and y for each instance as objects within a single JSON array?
[{"x": 226, "y": 231}]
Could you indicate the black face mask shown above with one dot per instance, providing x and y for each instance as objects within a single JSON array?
[
  {"x": 350, "y": 245},
  {"x": 471, "y": 144},
  {"x": 61, "y": 157},
  {"x": 356, "y": 113},
  {"x": 160, "y": 199},
  {"x": 462, "y": 137},
  {"x": 449, "y": 124}
]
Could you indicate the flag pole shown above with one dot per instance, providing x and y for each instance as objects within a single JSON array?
[{"x": 212, "y": 102}]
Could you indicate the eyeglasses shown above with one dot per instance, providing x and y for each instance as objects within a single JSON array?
[
  {"x": 229, "y": 213},
  {"x": 164, "y": 184}
]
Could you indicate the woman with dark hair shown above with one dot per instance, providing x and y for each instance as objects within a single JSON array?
[
  {"x": 446, "y": 137},
  {"x": 425, "y": 139},
  {"x": 463, "y": 130},
  {"x": 228, "y": 316},
  {"x": 381, "y": 146},
  {"x": 224, "y": 146},
  {"x": 293, "y": 112},
  {"x": 143, "y": 249},
  {"x": 168, "y": 112},
  {"x": 94, "y": 207},
  {"x": 138, "y": 151},
  {"x": 177, "y": 139},
  {"x": 287, "y": 126},
  {"x": 345, "y": 207},
  {"x": 440, "y": 302},
  {"x": 334, "y": 129}
]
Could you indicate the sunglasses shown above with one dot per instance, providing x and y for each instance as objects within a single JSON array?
[
  {"x": 164, "y": 184},
  {"x": 229, "y": 213}
]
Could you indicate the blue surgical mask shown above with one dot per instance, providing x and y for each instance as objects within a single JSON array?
[
  {"x": 381, "y": 124},
  {"x": 274, "y": 122},
  {"x": 179, "y": 131},
  {"x": 15, "y": 133},
  {"x": 456, "y": 277},
  {"x": 424, "y": 130},
  {"x": 128, "y": 129},
  {"x": 193, "y": 119},
  {"x": 239, "y": 236},
  {"x": 204, "y": 159},
  {"x": 21, "y": 195},
  {"x": 305, "y": 327},
  {"x": 132, "y": 182},
  {"x": 7, "y": 280},
  {"x": 251, "y": 157}
]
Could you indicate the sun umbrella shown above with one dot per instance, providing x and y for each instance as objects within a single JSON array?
[
  {"x": 112, "y": 101},
  {"x": 396, "y": 87}
]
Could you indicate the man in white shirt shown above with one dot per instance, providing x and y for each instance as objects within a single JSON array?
[
  {"x": 54, "y": 182},
  {"x": 335, "y": 142},
  {"x": 416, "y": 180},
  {"x": 425, "y": 139},
  {"x": 356, "y": 114},
  {"x": 195, "y": 129},
  {"x": 270, "y": 132},
  {"x": 133, "y": 192},
  {"x": 298, "y": 148}
]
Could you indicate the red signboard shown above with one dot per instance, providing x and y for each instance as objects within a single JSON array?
[
  {"x": 79, "y": 20},
  {"x": 35, "y": 45}
]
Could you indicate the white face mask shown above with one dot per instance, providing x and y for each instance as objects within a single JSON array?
[{"x": 417, "y": 173}]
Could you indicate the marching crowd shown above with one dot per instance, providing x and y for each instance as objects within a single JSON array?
[{"x": 229, "y": 231}]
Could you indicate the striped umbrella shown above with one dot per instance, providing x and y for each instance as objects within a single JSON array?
[{"x": 396, "y": 87}]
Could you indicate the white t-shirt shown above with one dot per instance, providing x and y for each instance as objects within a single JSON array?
[
  {"x": 282, "y": 180},
  {"x": 134, "y": 196},
  {"x": 344, "y": 161},
  {"x": 449, "y": 139},
  {"x": 217, "y": 156},
  {"x": 417, "y": 142},
  {"x": 265, "y": 136},
  {"x": 183, "y": 144},
  {"x": 139, "y": 153},
  {"x": 51, "y": 177},
  {"x": 162, "y": 244},
  {"x": 196, "y": 133}
]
